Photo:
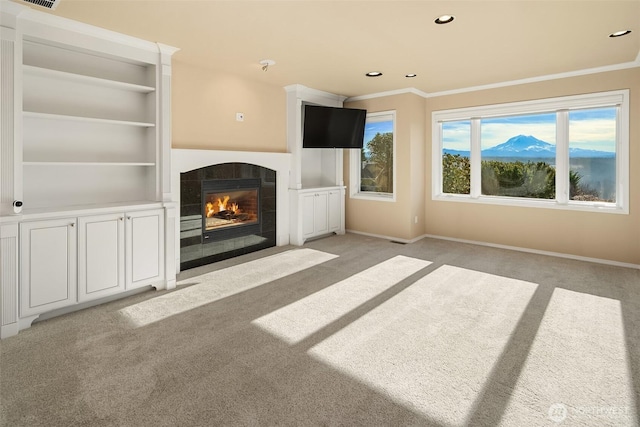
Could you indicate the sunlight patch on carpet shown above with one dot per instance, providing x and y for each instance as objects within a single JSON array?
[
  {"x": 298, "y": 320},
  {"x": 432, "y": 347},
  {"x": 576, "y": 372},
  {"x": 220, "y": 284}
]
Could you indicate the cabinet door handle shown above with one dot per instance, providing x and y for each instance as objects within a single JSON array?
[
  {"x": 128, "y": 217},
  {"x": 72, "y": 224}
]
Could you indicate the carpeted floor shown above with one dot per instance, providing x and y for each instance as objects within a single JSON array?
[{"x": 345, "y": 331}]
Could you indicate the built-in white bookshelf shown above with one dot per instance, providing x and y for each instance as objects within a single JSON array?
[
  {"x": 85, "y": 161},
  {"x": 89, "y": 128}
]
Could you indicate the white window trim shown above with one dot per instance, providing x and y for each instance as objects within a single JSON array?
[
  {"x": 561, "y": 105},
  {"x": 355, "y": 167}
]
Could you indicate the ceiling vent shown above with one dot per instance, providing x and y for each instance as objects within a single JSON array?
[{"x": 49, "y": 4}]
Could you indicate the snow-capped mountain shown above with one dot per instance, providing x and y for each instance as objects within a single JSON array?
[
  {"x": 521, "y": 146},
  {"x": 528, "y": 146}
]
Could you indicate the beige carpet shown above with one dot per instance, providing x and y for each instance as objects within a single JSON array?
[
  {"x": 348, "y": 330},
  {"x": 211, "y": 287}
]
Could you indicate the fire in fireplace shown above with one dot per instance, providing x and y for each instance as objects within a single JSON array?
[
  {"x": 228, "y": 204},
  {"x": 230, "y": 208}
]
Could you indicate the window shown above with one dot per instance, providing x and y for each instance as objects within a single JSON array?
[
  {"x": 456, "y": 146},
  {"x": 518, "y": 156},
  {"x": 372, "y": 172},
  {"x": 569, "y": 152},
  {"x": 592, "y": 177}
]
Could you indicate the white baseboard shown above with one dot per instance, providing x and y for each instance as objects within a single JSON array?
[
  {"x": 536, "y": 251},
  {"x": 380, "y": 236},
  {"x": 9, "y": 330},
  {"x": 512, "y": 248},
  {"x": 171, "y": 284}
]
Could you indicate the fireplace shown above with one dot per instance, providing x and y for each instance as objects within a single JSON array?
[
  {"x": 230, "y": 208},
  {"x": 226, "y": 210}
]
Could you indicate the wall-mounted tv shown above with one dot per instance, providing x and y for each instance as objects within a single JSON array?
[{"x": 332, "y": 127}]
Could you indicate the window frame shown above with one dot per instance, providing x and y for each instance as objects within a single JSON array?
[
  {"x": 559, "y": 105},
  {"x": 355, "y": 167}
]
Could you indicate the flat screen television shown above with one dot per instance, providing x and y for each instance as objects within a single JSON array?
[{"x": 332, "y": 127}]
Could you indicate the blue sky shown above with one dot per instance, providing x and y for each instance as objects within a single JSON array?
[
  {"x": 371, "y": 129},
  {"x": 588, "y": 129}
]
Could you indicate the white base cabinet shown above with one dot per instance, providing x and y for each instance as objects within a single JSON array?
[
  {"x": 47, "y": 265},
  {"x": 315, "y": 219},
  {"x": 145, "y": 248},
  {"x": 115, "y": 252},
  {"x": 335, "y": 210},
  {"x": 101, "y": 256},
  {"x": 316, "y": 212}
]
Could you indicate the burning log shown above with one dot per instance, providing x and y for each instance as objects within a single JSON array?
[{"x": 225, "y": 214}]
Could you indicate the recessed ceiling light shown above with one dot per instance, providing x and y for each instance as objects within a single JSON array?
[
  {"x": 410, "y": 75},
  {"x": 620, "y": 33},
  {"x": 373, "y": 74},
  {"x": 444, "y": 19}
]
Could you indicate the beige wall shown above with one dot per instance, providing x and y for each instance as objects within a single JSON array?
[
  {"x": 606, "y": 236},
  {"x": 395, "y": 219},
  {"x": 204, "y": 107},
  {"x": 613, "y": 237}
]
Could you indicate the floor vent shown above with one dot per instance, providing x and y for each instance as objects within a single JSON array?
[{"x": 49, "y": 4}]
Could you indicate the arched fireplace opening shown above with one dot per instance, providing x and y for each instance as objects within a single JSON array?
[{"x": 226, "y": 210}]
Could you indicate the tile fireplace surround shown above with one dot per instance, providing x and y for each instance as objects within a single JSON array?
[{"x": 186, "y": 160}]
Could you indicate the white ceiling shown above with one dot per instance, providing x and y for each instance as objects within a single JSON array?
[{"x": 330, "y": 45}]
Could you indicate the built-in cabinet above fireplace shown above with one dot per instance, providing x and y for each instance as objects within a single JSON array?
[{"x": 85, "y": 194}]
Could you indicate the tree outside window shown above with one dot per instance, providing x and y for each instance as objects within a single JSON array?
[{"x": 375, "y": 171}]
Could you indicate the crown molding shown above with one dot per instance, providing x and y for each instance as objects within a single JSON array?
[
  {"x": 389, "y": 93},
  {"x": 596, "y": 70},
  {"x": 304, "y": 92}
]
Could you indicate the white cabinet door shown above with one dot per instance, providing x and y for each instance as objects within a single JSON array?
[
  {"x": 100, "y": 256},
  {"x": 316, "y": 212},
  {"x": 145, "y": 248},
  {"x": 335, "y": 210},
  {"x": 315, "y": 220},
  {"x": 321, "y": 218},
  {"x": 47, "y": 265},
  {"x": 308, "y": 214}
]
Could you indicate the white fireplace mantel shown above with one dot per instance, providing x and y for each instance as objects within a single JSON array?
[{"x": 185, "y": 160}]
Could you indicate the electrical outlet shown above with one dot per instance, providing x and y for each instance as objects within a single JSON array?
[{"x": 240, "y": 117}]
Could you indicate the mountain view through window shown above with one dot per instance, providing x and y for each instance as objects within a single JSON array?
[{"x": 518, "y": 155}]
